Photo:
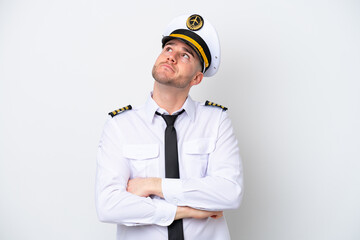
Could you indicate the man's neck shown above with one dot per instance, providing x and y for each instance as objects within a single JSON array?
[{"x": 169, "y": 98}]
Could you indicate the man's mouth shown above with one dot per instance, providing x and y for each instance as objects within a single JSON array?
[{"x": 167, "y": 66}]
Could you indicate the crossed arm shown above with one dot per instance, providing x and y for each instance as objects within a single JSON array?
[{"x": 144, "y": 187}]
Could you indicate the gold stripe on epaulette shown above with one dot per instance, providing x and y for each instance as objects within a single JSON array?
[
  {"x": 120, "y": 110},
  {"x": 208, "y": 103}
]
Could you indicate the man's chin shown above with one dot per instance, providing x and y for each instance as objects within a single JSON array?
[
  {"x": 164, "y": 81},
  {"x": 162, "y": 77}
]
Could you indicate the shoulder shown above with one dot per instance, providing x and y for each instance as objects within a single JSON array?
[
  {"x": 210, "y": 115},
  {"x": 213, "y": 105},
  {"x": 211, "y": 111}
]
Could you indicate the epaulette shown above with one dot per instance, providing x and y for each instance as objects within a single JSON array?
[
  {"x": 208, "y": 103},
  {"x": 120, "y": 110}
]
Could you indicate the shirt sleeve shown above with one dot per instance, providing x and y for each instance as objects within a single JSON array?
[
  {"x": 113, "y": 203},
  {"x": 222, "y": 186}
]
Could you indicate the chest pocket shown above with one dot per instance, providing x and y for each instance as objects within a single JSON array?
[
  {"x": 143, "y": 159},
  {"x": 196, "y": 154}
]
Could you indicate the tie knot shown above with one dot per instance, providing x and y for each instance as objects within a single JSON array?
[{"x": 170, "y": 119}]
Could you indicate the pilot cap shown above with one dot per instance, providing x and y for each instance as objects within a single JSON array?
[{"x": 198, "y": 33}]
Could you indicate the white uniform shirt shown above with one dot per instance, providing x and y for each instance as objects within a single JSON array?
[{"x": 132, "y": 146}]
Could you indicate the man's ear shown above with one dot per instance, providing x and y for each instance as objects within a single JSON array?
[{"x": 197, "y": 79}]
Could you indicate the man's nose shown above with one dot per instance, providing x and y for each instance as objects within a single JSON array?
[{"x": 172, "y": 57}]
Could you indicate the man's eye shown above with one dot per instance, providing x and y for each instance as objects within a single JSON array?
[
  {"x": 168, "y": 49},
  {"x": 186, "y": 56}
]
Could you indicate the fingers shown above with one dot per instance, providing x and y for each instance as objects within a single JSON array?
[
  {"x": 217, "y": 215},
  {"x": 129, "y": 186},
  {"x": 133, "y": 187},
  {"x": 138, "y": 186},
  {"x": 199, "y": 214}
]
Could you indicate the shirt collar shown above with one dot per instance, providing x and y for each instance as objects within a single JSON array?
[
  {"x": 151, "y": 107},
  {"x": 189, "y": 107}
]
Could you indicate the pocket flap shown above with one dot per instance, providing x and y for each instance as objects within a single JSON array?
[
  {"x": 141, "y": 151},
  {"x": 200, "y": 146}
]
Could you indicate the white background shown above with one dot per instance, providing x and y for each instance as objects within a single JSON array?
[{"x": 290, "y": 76}]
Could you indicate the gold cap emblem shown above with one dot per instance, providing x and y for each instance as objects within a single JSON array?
[{"x": 195, "y": 22}]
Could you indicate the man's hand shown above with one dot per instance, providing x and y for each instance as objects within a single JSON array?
[
  {"x": 188, "y": 212},
  {"x": 145, "y": 187}
]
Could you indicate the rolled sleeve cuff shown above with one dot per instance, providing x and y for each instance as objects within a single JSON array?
[
  {"x": 165, "y": 212},
  {"x": 172, "y": 190}
]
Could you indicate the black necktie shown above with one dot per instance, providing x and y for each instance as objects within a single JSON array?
[{"x": 175, "y": 230}]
